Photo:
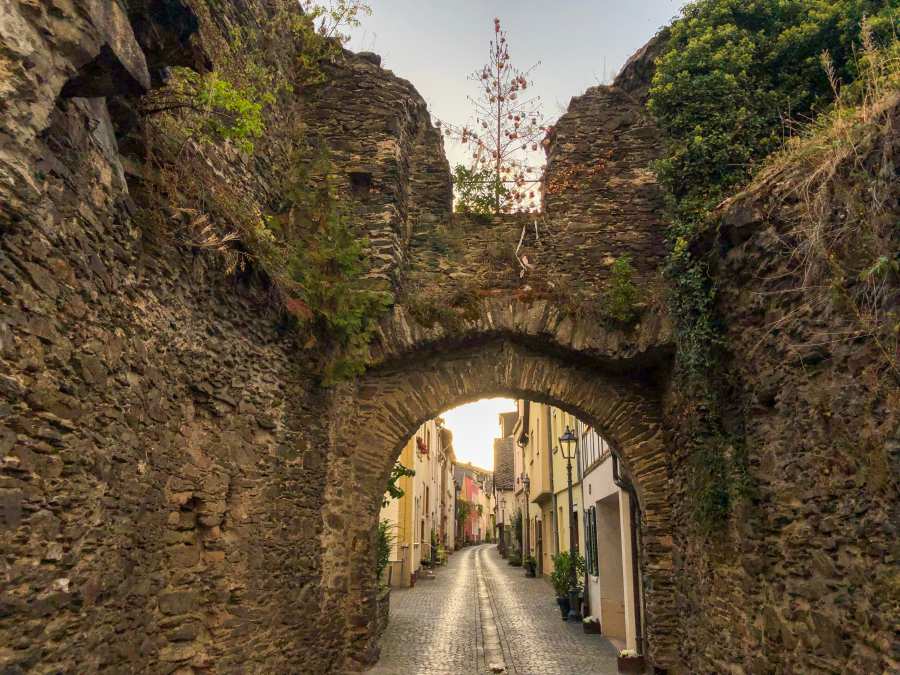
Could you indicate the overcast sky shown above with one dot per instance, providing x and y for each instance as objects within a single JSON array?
[{"x": 436, "y": 44}]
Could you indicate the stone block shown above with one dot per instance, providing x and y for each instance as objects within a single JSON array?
[{"x": 179, "y": 602}]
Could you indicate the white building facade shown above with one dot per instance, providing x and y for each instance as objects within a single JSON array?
[{"x": 612, "y": 591}]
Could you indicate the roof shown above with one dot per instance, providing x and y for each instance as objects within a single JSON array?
[
  {"x": 476, "y": 473},
  {"x": 508, "y": 422},
  {"x": 504, "y": 468}
]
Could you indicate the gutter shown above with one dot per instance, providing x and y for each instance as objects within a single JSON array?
[
  {"x": 555, "y": 519},
  {"x": 635, "y": 511}
]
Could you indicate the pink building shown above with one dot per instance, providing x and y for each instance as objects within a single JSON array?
[{"x": 471, "y": 491}]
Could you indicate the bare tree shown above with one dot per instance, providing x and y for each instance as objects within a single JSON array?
[{"x": 508, "y": 127}]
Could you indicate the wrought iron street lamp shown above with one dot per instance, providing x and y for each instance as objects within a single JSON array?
[
  {"x": 568, "y": 445},
  {"x": 502, "y": 513},
  {"x": 526, "y": 526},
  {"x": 522, "y": 441}
]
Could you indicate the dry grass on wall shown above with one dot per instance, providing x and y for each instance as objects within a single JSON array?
[{"x": 841, "y": 176}]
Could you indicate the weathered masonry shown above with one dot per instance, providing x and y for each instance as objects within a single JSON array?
[{"x": 178, "y": 493}]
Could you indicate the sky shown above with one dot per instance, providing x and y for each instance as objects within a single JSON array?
[
  {"x": 475, "y": 426},
  {"x": 436, "y": 44}
]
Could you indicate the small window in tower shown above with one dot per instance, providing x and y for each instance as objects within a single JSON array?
[{"x": 361, "y": 181}]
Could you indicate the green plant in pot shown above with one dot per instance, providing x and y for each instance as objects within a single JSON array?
[
  {"x": 530, "y": 566},
  {"x": 576, "y": 576},
  {"x": 568, "y": 572},
  {"x": 562, "y": 564}
]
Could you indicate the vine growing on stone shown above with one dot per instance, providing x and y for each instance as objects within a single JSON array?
[
  {"x": 394, "y": 491},
  {"x": 320, "y": 265},
  {"x": 732, "y": 75},
  {"x": 508, "y": 128}
]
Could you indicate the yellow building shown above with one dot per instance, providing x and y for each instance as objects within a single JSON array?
[
  {"x": 537, "y": 460},
  {"x": 559, "y": 422},
  {"x": 537, "y": 432},
  {"x": 423, "y": 521},
  {"x": 400, "y": 513}
]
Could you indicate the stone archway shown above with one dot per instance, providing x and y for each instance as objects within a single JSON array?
[{"x": 610, "y": 379}]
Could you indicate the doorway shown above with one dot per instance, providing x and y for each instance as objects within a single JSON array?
[{"x": 611, "y": 567}]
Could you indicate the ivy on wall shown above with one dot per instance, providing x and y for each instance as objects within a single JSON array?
[
  {"x": 732, "y": 76},
  {"x": 319, "y": 264},
  {"x": 303, "y": 243}
]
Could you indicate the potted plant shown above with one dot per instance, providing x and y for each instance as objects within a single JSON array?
[
  {"x": 562, "y": 564},
  {"x": 629, "y": 661},
  {"x": 530, "y": 566},
  {"x": 568, "y": 572},
  {"x": 385, "y": 539},
  {"x": 591, "y": 625}
]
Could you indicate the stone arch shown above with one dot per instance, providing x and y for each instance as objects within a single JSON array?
[{"x": 610, "y": 379}]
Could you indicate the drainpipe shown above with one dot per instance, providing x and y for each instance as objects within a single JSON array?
[
  {"x": 555, "y": 519},
  {"x": 635, "y": 512},
  {"x": 584, "y": 517}
]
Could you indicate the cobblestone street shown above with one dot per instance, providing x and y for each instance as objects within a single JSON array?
[{"x": 478, "y": 612}]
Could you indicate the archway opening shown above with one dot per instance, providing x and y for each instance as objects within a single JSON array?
[
  {"x": 389, "y": 413},
  {"x": 496, "y": 472}
]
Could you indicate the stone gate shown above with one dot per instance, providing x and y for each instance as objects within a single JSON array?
[
  {"x": 512, "y": 305},
  {"x": 178, "y": 492},
  {"x": 171, "y": 469}
]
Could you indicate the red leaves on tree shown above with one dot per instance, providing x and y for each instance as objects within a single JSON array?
[{"x": 512, "y": 128}]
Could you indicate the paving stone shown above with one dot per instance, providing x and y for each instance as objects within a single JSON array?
[{"x": 434, "y": 627}]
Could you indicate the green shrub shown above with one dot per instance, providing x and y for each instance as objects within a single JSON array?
[
  {"x": 621, "y": 295},
  {"x": 320, "y": 30},
  {"x": 385, "y": 538},
  {"x": 561, "y": 578},
  {"x": 477, "y": 191},
  {"x": 323, "y": 267},
  {"x": 221, "y": 110},
  {"x": 733, "y": 72}
]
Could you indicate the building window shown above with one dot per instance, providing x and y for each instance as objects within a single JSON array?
[
  {"x": 590, "y": 536},
  {"x": 575, "y": 525}
]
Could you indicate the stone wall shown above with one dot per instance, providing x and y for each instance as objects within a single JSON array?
[
  {"x": 621, "y": 399},
  {"x": 178, "y": 493},
  {"x": 161, "y": 448},
  {"x": 805, "y": 573},
  {"x": 601, "y": 200},
  {"x": 390, "y": 157}
]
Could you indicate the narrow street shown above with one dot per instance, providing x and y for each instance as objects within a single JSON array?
[{"x": 479, "y": 612}]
